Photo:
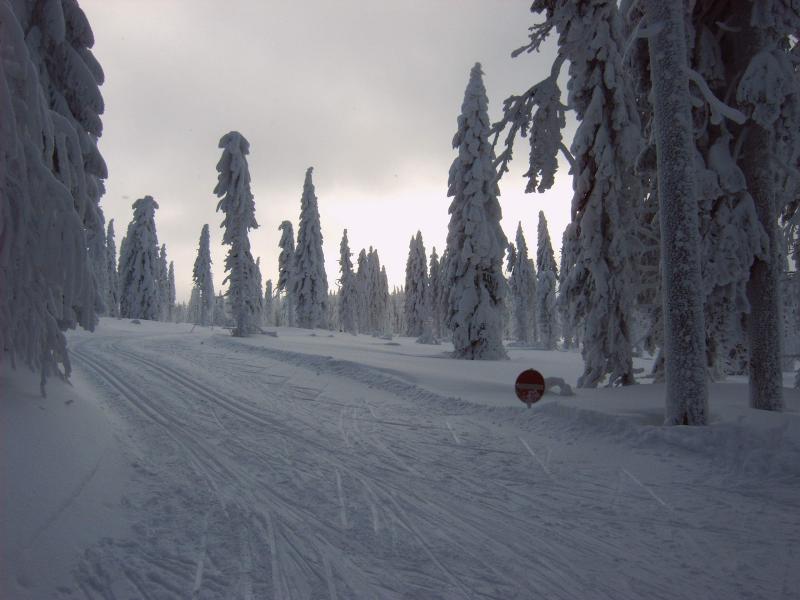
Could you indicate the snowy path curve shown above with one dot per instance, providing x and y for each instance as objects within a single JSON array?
[{"x": 262, "y": 478}]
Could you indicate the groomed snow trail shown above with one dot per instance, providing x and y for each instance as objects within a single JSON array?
[{"x": 259, "y": 477}]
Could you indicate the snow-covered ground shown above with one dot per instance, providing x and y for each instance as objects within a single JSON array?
[{"x": 188, "y": 464}]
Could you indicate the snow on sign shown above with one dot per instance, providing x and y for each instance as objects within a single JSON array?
[{"x": 529, "y": 386}]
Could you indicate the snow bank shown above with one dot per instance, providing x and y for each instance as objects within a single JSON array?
[{"x": 62, "y": 476}]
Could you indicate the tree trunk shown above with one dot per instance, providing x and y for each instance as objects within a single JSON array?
[
  {"x": 684, "y": 332},
  {"x": 764, "y": 329}
]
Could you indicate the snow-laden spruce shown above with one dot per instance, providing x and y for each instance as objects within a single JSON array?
[
  {"x": 163, "y": 283},
  {"x": 310, "y": 283},
  {"x": 597, "y": 289},
  {"x": 435, "y": 294},
  {"x": 112, "y": 300},
  {"x": 348, "y": 293},
  {"x": 269, "y": 304},
  {"x": 236, "y": 202},
  {"x": 416, "y": 288},
  {"x": 363, "y": 292},
  {"x": 139, "y": 264},
  {"x": 286, "y": 270},
  {"x": 203, "y": 278},
  {"x": 377, "y": 304},
  {"x": 50, "y": 173},
  {"x": 258, "y": 295},
  {"x": 522, "y": 284},
  {"x": 475, "y": 240},
  {"x": 546, "y": 281}
]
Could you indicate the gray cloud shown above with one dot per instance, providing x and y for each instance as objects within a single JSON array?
[{"x": 367, "y": 92}]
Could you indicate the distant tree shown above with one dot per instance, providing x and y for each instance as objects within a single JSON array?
[
  {"x": 171, "y": 292},
  {"x": 140, "y": 296},
  {"x": 310, "y": 283},
  {"x": 348, "y": 292},
  {"x": 435, "y": 295},
  {"x": 163, "y": 284},
  {"x": 195, "y": 306},
  {"x": 50, "y": 172},
  {"x": 96, "y": 247},
  {"x": 269, "y": 304},
  {"x": 375, "y": 306},
  {"x": 258, "y": 297},
  {"x": 221, "y": 318},
  {"x": 475, "y": 240},
  {"x": 363, "y": 292},
  {"x": 521, "y": 283},
  {"x": 112, "y": 300},
  {"x": 236, "y": 202},
  {"x": 286, "y": 271},
  {"x": 546, "y": 280},
  {"x": 416, "y": 288},
  {"x": 203, "y": 279},
  {"x": 568, "y": 326},
  {"x": 384, "y": 304}
]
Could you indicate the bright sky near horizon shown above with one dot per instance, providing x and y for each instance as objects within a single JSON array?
[{"x": 365, "y": 92}]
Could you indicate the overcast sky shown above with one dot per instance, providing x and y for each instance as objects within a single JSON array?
[{"x": 367, "y": 92}]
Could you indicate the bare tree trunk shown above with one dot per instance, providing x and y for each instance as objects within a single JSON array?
[{"x": 684, "y": 332}]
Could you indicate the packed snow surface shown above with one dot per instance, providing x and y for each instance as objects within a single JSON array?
[{"x": 184, "y": 463}]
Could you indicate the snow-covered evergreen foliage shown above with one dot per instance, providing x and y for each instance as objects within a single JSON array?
[
  {"x": 139, "y": 260},
  {"x": 435, "y": 294},
  {"x": 416, "y": 288},
  {"x": 203, "y": 279},
  {"x": 568, "y": 328},
  {"x": 597, "y": 289},
  {"x": 286, "y": 270},
  {"x": 96, "y": 248},
  {"x": 375, "y": 305},
  {"x": 310, "y": 283},
  {"x": 384, "y": 303},
  {"x": 50, "y": 173},
  {"x": 522, "y": 284},
  {"x": 269, "y": 304},
  {"x": 171, "y": 292},
  {"x": 363, "y": 292},
  {"x": 348, "y": 293},
  {"x": 475, "y": 240},
  {"x": 546, "y": 280},
  {"x": 236, "y": 202},
  {"x": 112, "y": 300},
  {"x": 163, "y": 284},
  {"x": 258, "y": 295}
]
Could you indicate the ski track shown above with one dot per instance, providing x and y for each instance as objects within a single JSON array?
[{"x": 266, "y": 479}]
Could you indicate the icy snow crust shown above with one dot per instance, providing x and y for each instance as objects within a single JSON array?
[{"x": 194, "y": 464}]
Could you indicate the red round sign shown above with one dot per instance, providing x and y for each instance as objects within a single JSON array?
[{"x": 529, "y": 386}]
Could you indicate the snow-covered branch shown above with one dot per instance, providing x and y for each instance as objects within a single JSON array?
[{"x": 718, "y": 108}]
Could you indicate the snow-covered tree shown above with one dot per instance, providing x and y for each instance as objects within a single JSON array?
[
  {"x": 684, "y": 331},
  {"x": 363, "y": 291},
  {"x": 50, "y": 172},
  {"x": 286, "y": 271},
  {"x": 416, "y": 288},
  {"x": 475, "y": 240},
  {"x": 598, "y": 287},
  {"x": 348, "y": 293},
  {"x": 171, "y": 292},
  {"x": 258, "y": 295},
  {"x": 139, "y": 260},
  {"x": 384, "y": 304},
  {"x": 269, "y": 304},
  {"x": 435, "y": 293},
  {"x": 546, "y": 280},
  {"x": 522, "y": 284},
  {"x": 163, "y": 283},
  {"x": 96, "y": 248},
  {"x": 236, "y": 202},
  {"x": 112, "y": 300},
  {"x": 310, "y": 283},
  {"x": 568, "y": 328},
  {"x": 203, "y": 279}
]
